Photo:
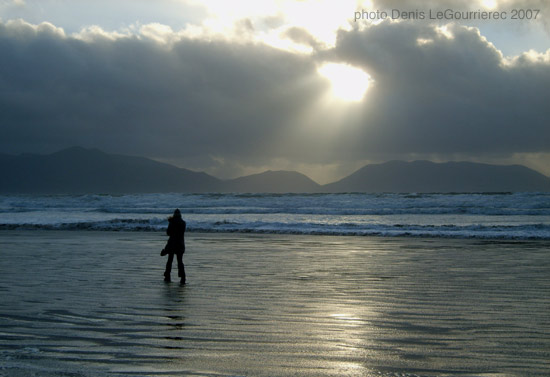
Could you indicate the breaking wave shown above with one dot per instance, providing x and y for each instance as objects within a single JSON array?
[{"x": 492, "y": 216}]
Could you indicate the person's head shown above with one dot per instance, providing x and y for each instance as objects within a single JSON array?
[{"x": 177, "y": 213}]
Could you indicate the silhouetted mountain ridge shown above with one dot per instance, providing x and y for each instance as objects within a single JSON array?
[
  {"x": 280, "y": 181},
  {"x": 78, "y": 170},
  {"x": 427, "y": 176}
]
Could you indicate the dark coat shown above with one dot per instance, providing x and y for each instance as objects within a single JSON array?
[{"x": 176, "y": 232}]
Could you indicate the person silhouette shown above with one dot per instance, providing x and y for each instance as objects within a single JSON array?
[{"x": 175, "y": 245}]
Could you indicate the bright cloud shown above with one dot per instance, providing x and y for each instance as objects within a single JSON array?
[{"x": 269, "y": 19}]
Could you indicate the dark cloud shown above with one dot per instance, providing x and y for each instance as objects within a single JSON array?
[
  {"x": 301, "y": 36},
  {"x": 440, "y": 94},
  {"x": 138, "y": 96},
  {"x": 212, "y": 104}
]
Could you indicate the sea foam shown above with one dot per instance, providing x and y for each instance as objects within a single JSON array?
[{"x": 493, "y": 215}]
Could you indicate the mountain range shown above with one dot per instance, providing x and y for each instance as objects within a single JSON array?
[{"x": 78, "y": 170}]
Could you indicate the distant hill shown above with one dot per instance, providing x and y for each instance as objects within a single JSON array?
[
  {"x": 274, "y": 182},
  {"x": 426, "y": 176},
  {"x": 79, "y": 170}
]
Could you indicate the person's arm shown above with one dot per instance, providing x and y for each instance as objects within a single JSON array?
[{"x": 169, "y": 229}]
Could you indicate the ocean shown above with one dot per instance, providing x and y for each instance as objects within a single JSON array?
[
  {"x": 483, "y": 215},
  {"x": 379, "y": 285}
]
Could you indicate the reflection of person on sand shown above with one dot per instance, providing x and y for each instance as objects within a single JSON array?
[{"x": 175, "y": 245}]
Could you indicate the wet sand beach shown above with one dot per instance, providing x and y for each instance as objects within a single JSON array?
[{"x": 77, "y": 303}]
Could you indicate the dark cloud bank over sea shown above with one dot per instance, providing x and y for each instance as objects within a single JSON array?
[{"x": 205, "y": 103}]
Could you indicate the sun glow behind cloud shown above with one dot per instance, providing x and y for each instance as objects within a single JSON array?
[
  {"x": 268, "y": 20},
  {"x": 348, "y": 83},
  {"x": 489, "y": 4}
]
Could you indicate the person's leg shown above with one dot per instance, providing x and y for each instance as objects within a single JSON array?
[
  {"x": 181, "y": 268},
  {"x": 168, "y": 267}
]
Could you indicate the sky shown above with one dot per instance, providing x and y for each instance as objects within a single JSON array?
[{"x": 239, "y": 87}]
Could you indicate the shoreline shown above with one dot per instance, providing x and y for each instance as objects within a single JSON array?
[{"x": 40, "y": 228}]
